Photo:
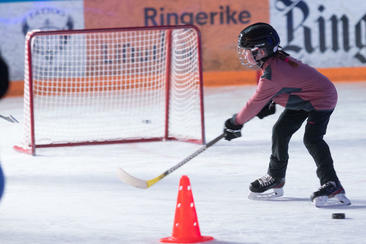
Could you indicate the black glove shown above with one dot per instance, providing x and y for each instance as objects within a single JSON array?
[
  {"x": 268, "y": 109},
  {"x": 232, "y": 130}
]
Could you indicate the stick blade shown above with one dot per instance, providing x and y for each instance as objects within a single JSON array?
[{"x": 131, "y": 180}]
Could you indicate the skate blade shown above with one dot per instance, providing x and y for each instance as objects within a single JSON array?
[
  {"x": 339, "y": 200},
  {"x": 270, "y": 194}
]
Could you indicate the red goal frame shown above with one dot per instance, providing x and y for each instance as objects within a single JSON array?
[{"x": 31, "y": 148}]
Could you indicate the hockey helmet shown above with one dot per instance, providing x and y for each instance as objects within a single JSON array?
[{"x": 254, "y": 37}]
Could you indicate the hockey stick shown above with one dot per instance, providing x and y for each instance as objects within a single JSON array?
[
  {"x": 144, "y": 184},
  {"x": 9, "y": 118}
]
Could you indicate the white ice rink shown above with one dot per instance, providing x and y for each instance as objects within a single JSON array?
[{"x": 73, "y": 195}]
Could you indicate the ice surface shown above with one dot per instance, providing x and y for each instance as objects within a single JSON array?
[{"x": 73, "y": 195}]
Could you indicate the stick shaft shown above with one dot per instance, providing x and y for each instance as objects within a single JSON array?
[
  {"x": 136, "y": 182},
  {"x": 186, "y": 160}
]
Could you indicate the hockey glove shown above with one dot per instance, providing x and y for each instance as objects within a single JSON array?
[
  {"x": 268, "y": 109},
  {"x": 232, "y": 130}
]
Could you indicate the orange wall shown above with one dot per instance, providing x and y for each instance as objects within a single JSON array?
[{"x": 219, "y": 21}]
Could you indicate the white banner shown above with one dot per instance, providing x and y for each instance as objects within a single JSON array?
[
  {"x": 325, "y": 33},
  {"x": 19, "y": 17}
]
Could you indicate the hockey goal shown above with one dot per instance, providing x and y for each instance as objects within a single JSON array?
[{"x": 99, "y": 86}]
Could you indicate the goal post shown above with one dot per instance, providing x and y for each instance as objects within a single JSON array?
[{"x": 115, "y": 85}]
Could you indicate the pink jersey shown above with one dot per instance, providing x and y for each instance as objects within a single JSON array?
[{"x": 297, "y": 88}]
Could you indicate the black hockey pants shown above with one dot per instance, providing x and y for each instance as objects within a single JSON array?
[{"x": 287, "y": 124}]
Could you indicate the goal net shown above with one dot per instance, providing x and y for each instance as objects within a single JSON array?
[{"x": 115, "y": 85}]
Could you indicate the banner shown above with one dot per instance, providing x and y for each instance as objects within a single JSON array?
[
  {"x": 17, "y": 18},
  {"x": 323, "y": 33}
]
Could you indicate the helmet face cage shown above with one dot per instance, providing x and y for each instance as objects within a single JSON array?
[{"x": 247, "y": 56}]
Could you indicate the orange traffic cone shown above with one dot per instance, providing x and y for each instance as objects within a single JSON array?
[{"x": 185, "y": 229}]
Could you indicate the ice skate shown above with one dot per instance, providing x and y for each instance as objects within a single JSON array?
[
  {"x": 331, "y": 194},
  {"x": 266, "y": 188}
]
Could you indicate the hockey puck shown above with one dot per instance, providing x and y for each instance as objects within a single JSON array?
[
  {"x": 338, "y": 216},
  {"x": 146, "y": 121}
]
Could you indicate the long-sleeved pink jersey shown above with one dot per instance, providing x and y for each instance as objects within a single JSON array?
[{"x": 297, "y": 88}]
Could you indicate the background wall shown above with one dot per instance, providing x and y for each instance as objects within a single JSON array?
[{"x": 328, "y": 34}]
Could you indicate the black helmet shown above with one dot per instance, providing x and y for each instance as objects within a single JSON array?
[{"x": 259, "y": 35}]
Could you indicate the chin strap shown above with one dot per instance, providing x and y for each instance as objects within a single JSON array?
[{"x": 261, "y": 62}]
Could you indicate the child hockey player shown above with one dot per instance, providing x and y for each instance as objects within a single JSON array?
[{"x": 306, "y": 95}]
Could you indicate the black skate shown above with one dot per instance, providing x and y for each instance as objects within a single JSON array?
[
  {"x": 329, "y": 195},
  {"x": 266, "y": 188}
]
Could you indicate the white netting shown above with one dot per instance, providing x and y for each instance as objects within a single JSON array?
[{"x": 97, "y": 86}]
